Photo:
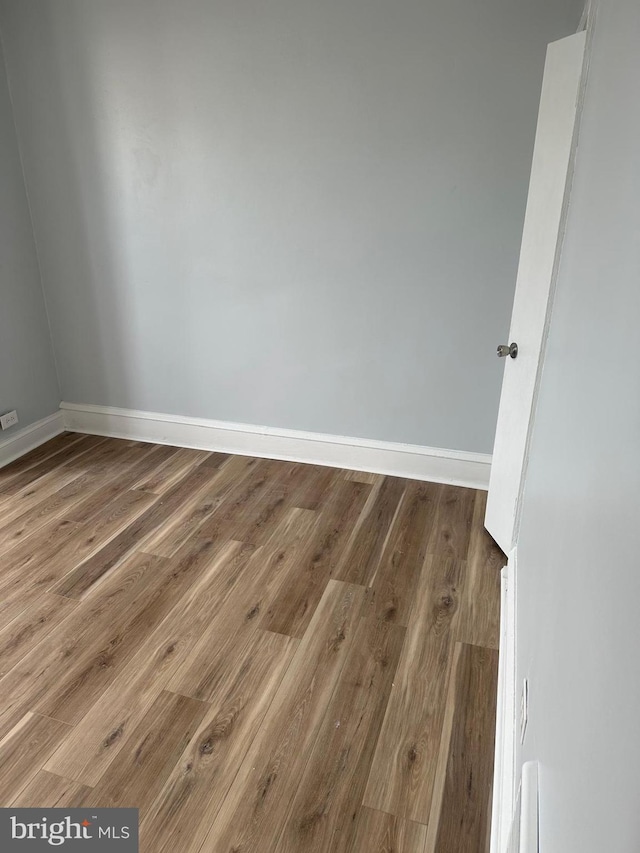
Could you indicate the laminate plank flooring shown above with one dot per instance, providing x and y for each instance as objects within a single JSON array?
[
  {"x": 479, "y": 622},
  {"x": 68, "y": 456},
  {"x": 85, "y": 496},
  {"x": 181, "y": 814},
  {"x": 403, "y": 769},
  {"x": 258, "y": 801},
  {"x": 49, "y": 791},
  {"x": 90, "y": 571},
  {"x": 330, "y": 790},
  {"x": 41, "y": 561},
  {"x": 259, "y": 655},
  {"x": 293, "y": 609},
  {"x": 102, "y": 732},
  {"x": 394, "y": 583},
  {"x": 361, "y": 555},
  {"x": 29, "y": 629},
  {"x": 21, "y": 749},
  {"x": 9, "y": 473},
  {"x": 137, "y": 775},
  {"x": 462, "y": 805},
  {"x": 379, "y": 832}
]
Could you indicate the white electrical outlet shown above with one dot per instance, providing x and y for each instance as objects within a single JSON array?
[
  {"x": 9, "y": 420},
  {"x": 524, "y": 709}
]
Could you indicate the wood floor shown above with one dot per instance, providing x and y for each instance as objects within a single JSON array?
[{"x": 259, "y": 655}]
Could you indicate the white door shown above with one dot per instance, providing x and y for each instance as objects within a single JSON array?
[{"x": 543, "y": 226}]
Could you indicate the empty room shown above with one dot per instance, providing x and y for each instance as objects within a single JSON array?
[{"x": 320, "y": 426}]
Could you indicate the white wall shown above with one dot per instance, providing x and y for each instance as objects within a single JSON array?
[
  {"x": 298, "y": 213},
  {"x": 28, "y": 380},
  {"x": 579, "y": 549}
]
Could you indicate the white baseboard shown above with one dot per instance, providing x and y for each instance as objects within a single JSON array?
[
  {"x": 381, "y": 457},
  {"x": 28, "y": 438}
]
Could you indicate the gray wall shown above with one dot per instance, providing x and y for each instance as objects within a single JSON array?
[
  {"x": 579, "y": 549},
  {"x": 28, "y": 380},
  {"x": 295, "y": 213}
]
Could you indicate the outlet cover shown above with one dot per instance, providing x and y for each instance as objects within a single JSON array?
[{"x": 9, "y": 420}]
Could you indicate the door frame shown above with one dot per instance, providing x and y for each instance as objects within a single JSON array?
[{"x": 504, "y": 768}]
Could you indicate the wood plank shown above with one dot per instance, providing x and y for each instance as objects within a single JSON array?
[
  {"x": 292, "y": 610},
  {"x": 252, "y": 814},
  {"x": 331, "y": 788},
  {"x": 99, "y": 735},
  {"x": 247, "y": 500},
  {"x": 98, "y": 663},
  {"x": 362, "y": 554},
  {"x": 226, "y": 482},
  {"x": 81, "y": 638},
  {"x": 249, "y": 512},
  {"x": 311, "y": 485},
  {"x": 378, "y": 832},
  {"x": 479, "y": 620},
  {"x": 48, "y": 791},
  {"x": 61, "y": 502},
  {"x": 109, "y": 457},
  {"x": 162, "y": 478},
  {"x": 217, "y": 460},
  {"x": 81, "y": 499},
  {"x": 63, "y": 680},
  {"x": 70, "y": 455},
  {"x": 38, "y": 454},
  {"x": 78, "y": 539},
  {"x": 364, "y": 477},
  {"x": 113, "y": 455},
  {"x": 256, "y": 522},
  {"x": 452, "y": 531},
  {"x": 393, "y": 589},
  {"x": 47, "y": 557},
  {"x": 119, "y": 475},
  {"x": 182, "y": 813},
  {"x": 402, "y": 774},
  {"x": 79, "y": 581},
  {"x": 461, "y": 811},
  {"x": 236, "y": 623},
  {"x": 24, "y": 560},
  {"x": 144, "y": 764},
  {"x": 32, "y": 494},
  {"x": 23, "y": 751},
  {"x": 31, "y": 627}
]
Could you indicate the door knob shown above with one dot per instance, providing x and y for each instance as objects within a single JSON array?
[{"x": 505, "y": 350}]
